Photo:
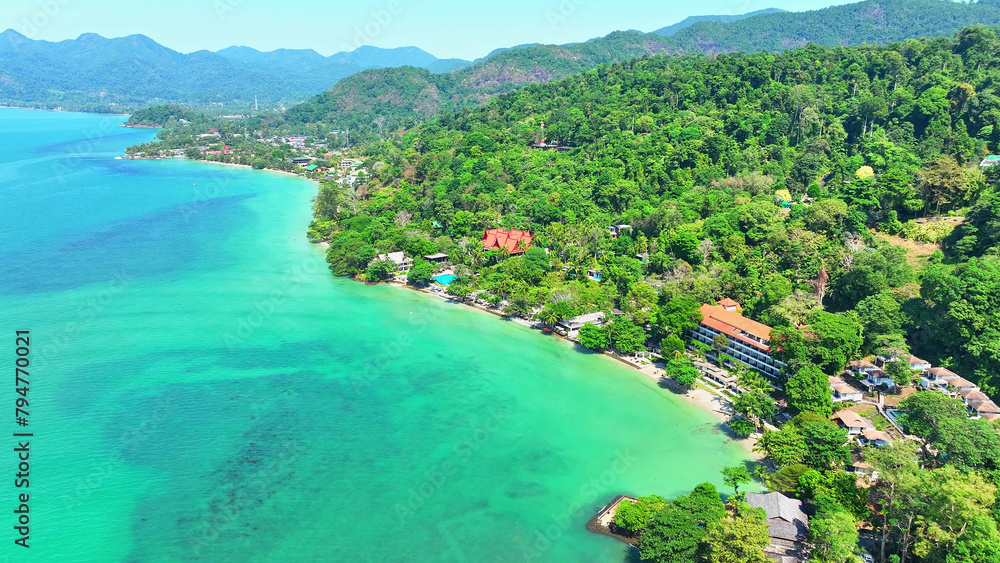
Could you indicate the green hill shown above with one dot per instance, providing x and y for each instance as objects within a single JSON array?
[
  {"x": 758, "y": 177},
  {"x": 403, "y": 96}
]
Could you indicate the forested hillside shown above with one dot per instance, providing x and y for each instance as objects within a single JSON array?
[
  {"x": 406, "y": 96},
  {"x": 95, "y": 73},
  {"x": 772, "y": 179}
]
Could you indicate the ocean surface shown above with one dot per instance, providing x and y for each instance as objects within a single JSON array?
[{"x": 203, "y": 389}]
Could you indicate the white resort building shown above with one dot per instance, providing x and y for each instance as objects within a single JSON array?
[{"x": 748, "y": 340}]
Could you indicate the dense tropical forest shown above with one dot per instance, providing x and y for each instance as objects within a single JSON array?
[
  {"x": 781, "y": 181},
  {"x": 405, "y": 96}
]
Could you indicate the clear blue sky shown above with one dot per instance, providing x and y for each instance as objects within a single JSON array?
[{"x": 445, "y": 28}]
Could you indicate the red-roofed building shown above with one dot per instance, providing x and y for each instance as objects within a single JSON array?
[
  {"x": 515, "y": 241},
  {"x": 748, "y": 339}
]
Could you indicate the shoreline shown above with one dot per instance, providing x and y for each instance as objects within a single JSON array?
[
  {"x": 64, "y": 110},
  {"x": 694, "y": 396},
  {"x": 285, "y": 172}
]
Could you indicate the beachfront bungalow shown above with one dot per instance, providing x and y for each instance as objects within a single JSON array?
[
  {"x": 571, "y": 327},
  {"x": 748, "y": 340},
  {"x": 402, "y": 263},
  {"x": 514, "y": 241},
  {"x": 853, "y": 422},
  {"x": 720, "y": 376},
  {"x": 438, "y": 258},
  {"x": 312, "y": 167},
  {"x": 787, "y": 525},
  {"x": 844, "y": 392},
  {"x": 873, "y": 437}
]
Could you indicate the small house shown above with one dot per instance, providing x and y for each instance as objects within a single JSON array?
[
  {"x": 594, "y": 275},
  {"x": 873, "y": 437},
  {"x": 990, "y": 160},
  {"x": 436, "y": 258},
  {"x": 853, "y": 422},
  {"x": 402, "y": 263},
  {"x": 844, "y": 392},
  {"x": 878, "y": 378},
  {"x": 861, "y": 367},
  {"x": 617, "y": 230},
  {"x": 937, "y": 378},
  {"x": 571, "y": 327},
  {"x": 787, "y": 525},
  {"x": 959, "y": 384}
]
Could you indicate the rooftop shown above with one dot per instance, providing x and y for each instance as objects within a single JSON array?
[
  {"x": 734, "y": 325},
  {"x": 852, "y": 419},
  {"x": 872, "y": 435},
  {"x": 785, "y": 519},
  {"x": 941, "y": 373},
  {"x": 514, "y": 241}
]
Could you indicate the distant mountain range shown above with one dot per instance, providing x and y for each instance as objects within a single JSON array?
[
  {"x": 135, "y": 70},
  {"x": 408, "y": 95},
  {"x": 408, "y": 84},
  {"x": 688, "y": 22}
]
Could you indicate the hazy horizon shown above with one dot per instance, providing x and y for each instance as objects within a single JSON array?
[{"x": 195, "y": 25}]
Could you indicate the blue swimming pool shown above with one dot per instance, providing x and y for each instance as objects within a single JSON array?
[{"x": 445, "y": 279}]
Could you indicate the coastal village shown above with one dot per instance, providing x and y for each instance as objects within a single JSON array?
[{"x": 866, "y": 397}]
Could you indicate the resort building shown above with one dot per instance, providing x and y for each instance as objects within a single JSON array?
[
  {"x": 914, "y": 363},
  {"x": 617, "y": 230},
  {"x": 860, "y": 368},
  {"x": 747, "y": 340},
  {"x": 872, "y": 437},
  {"x": 571, "y": 327},
  {"x": 853, "y": 422},
  {"x": 514, "y": 241},
  {"x": 436, "y": 258},
  {"x": 352, "y": 163},
  {"x": 787, "y": 525},
  {"x": 844, "y": 392},
  {"x": 937, "y": 378},
  {"x": 990, "y": 160},
  {"x": 403, "y": 264}
]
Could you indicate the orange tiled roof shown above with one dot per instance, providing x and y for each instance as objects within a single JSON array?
[
  {"x": 514, "y": 241},
  {"x": 727, "y": 302},
  {"x": 733, "y": 325}
]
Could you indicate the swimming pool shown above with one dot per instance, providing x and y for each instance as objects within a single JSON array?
[{"x": 445, "y": 279}]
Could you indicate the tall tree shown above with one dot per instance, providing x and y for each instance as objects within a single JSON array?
[
  {"x": 808, "y": 390},
  {"x": 739, "y": 537}
]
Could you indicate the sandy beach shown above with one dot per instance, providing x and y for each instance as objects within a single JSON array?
[{"x": 701, "y": 398}]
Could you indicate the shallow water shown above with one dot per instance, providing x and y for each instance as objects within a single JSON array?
[{"x": 203, "y": 389}]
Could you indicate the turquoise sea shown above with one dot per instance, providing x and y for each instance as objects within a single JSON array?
[{"x": 202, "y": 389}]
